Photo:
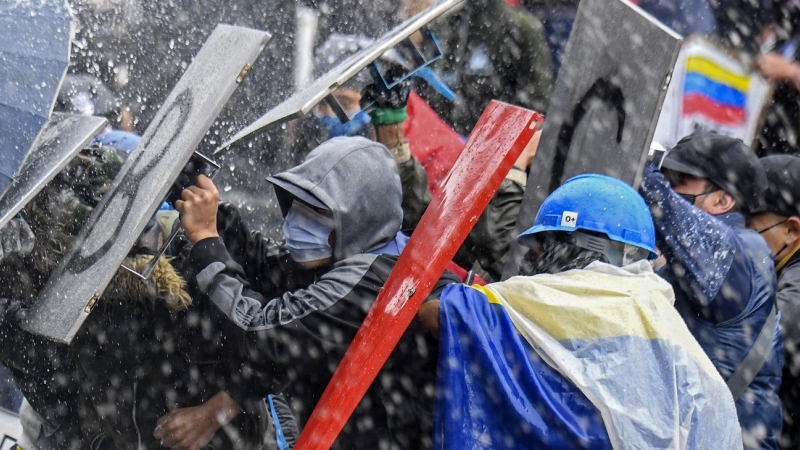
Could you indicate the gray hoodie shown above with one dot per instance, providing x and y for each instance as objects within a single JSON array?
[{"x": 356, "y": 179}]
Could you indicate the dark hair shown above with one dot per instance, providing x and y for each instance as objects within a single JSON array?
[{"x": 551, "y": 254}]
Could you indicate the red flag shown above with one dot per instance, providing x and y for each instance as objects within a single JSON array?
[
  {"x": 495, "y": 143},
  {"x": 433, "y": 143}
]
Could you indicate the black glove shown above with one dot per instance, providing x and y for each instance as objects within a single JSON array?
[
  {"x": 389, "y": 106},
  {"x": 12, "y": 312}
]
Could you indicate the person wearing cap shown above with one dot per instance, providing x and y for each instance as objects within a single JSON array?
[
  {"x": 722, "y": 273},
  {"x": 290, "y": 310},
  {"x": 778, "y": 221},
  {"x": 577, "y": 351}
]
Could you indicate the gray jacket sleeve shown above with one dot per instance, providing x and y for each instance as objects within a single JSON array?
[
  {"x": 251, "y": 312},
  {"x": 789, "y": 306}
]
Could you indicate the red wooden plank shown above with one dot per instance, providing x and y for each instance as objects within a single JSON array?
[{"x": 495, "y": 143}]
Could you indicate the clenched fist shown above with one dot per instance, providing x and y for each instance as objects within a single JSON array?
[{"x": 198, "y": 208}]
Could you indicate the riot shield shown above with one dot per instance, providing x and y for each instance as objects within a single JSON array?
[
  {"x": 605, "y": 104},
  {"x": 301, "y": 102},
  {"x": 10, "y": 429},
  {"x": 143, "y": 182},
  {"x": 62, "y": 138}
]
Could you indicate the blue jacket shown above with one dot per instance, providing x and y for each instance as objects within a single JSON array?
[{"x": 725, "y": 287}]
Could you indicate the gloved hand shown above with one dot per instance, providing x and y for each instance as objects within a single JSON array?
[
  {"x": 389, "y": 105},
  {"x": 12, "y": 311},
  {"x": 16, "y": 238}
]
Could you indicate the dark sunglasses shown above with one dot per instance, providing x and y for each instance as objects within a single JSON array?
[{"x": 691, "y": 198}]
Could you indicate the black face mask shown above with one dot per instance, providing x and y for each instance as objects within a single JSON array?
[{"x": 775, "y": 255}]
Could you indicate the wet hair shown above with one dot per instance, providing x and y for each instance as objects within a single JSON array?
[{"x": 552, "y": 254}]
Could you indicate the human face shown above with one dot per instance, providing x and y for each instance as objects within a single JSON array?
[
  {"x": 349, "y": 99},
  {"x": 704, "y": 195},
  {"x": 776, "y": 231}
]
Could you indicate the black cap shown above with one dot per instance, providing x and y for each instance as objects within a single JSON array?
[
  {"x": 783, "y": 180},
  {"x": 725, "y": 161}
]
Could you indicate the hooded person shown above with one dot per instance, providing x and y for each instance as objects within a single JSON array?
[
  {"x": 585, "y": 349},
  {"x": 295, "y": 307},
  {"x": 722, "y": 273},
  {"x": 777, "y": 219}
]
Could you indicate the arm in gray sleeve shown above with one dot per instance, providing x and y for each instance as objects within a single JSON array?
[{"x": 789, "y": 306}]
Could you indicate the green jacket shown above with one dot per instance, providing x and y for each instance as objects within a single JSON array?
[
  {"x": 485, "y": 249},
  {"x": 492, "y": 51}
]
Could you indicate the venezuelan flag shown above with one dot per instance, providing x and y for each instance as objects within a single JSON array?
[{"x": 714, "y": 92}]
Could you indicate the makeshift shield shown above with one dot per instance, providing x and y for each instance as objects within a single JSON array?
[
  {"x": 605, "y": 104},
  {"x": 10, "y": 429},
  {"x": 63, "y": 137},
  {"x": 35, "y": 40},
  {"x": 144, "y": 180},
  {"x": 301, "y": 102},
  {"x": 495, "y": 143}
]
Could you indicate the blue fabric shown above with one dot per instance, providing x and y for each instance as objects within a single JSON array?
[
  {"x": 121, "y": 140},
  {"x": 695, "y": 83},
  {"x": 725, "y": 287},
  {"x": 394, "y": 247},
  {"x": 494, "y": 391},
  {"x": 279, "y": 437},
  {"x": 357, "y": 126}
]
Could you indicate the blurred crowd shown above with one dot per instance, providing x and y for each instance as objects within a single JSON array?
[{"x": 657, "y": 317}]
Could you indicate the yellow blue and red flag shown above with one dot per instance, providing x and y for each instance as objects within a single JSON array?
[
  {"x": 714, "y": 92},
  {"x": 595, "y": 358}
]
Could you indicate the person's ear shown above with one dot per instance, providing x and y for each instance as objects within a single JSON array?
[
  {"x": 793, "y": 231},
  {"x": 722, "y": 203}
]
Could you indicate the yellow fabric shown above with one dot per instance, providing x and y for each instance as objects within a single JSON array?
[
  {"x": 708, "y": 68},
  {"x": 601, "y": 301},
  {"x": 786, "y": 258}
]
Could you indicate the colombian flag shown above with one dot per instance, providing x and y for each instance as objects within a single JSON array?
[
  {"x": 714, "y": 92},
  {"x": 595, "y": 359}
]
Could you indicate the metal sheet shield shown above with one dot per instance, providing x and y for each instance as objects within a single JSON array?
[
  {"x": 301, "y": 102},
  {"x": 62, "y": 138},
  {"x": 605, "y": 104},
  {"x": 35, "y": 40},
  {"x": 143, "y": 181},
  {"x": 494, "y": 144}
]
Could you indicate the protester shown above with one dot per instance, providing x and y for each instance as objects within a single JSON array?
[
  {"x": 52, "y": 416},
  {"x": 778, "y": 220},
  {"x": 581, "y": 354},
  {"x": 492, "y": 51},
  {"x": 722, "y": 274},
  {"x": 293, "y": 309}
]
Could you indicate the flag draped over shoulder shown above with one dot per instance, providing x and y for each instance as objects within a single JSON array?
[{"x": 593, "y": 358}]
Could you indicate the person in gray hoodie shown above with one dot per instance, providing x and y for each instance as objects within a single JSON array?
[{"x": 290, "y": 310}]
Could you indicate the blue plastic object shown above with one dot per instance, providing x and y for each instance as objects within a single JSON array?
[
  {"x": 122, "y": 140},
  {"x": 283, "y": 444},
  {"x": 597, "y": 203}
]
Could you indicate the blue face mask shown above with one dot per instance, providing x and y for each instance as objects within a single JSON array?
[
  {"x": 359, "y": 125},
  {"x": 306, "y": 232}
]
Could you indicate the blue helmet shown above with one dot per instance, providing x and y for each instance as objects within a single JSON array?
[{"x": 599, "y": 204}]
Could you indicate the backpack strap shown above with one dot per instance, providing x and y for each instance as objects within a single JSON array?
[{"x": 755, "y": 358}]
